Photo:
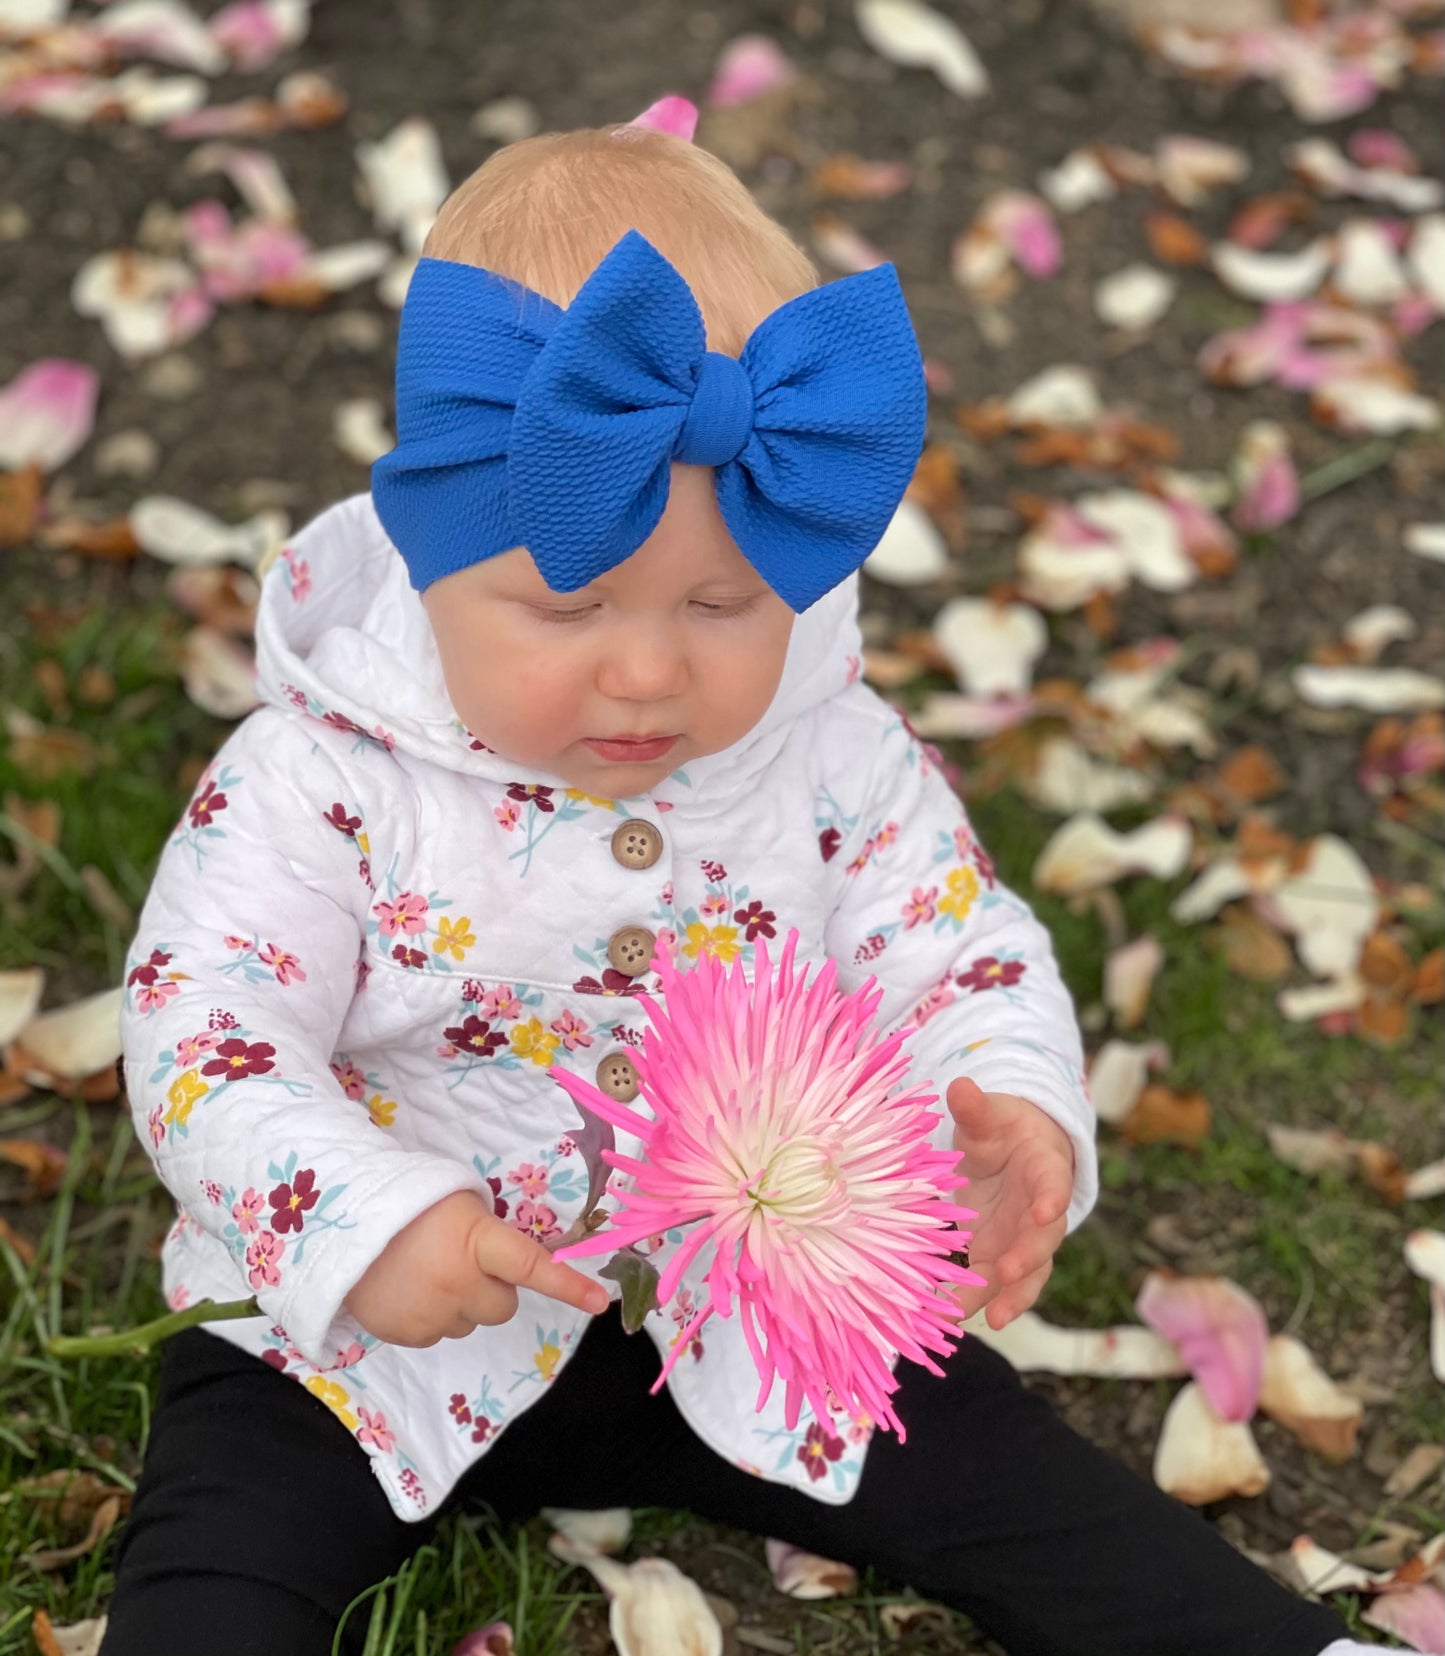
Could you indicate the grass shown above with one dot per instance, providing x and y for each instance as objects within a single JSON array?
[{"x": 1322, "y": 1255}]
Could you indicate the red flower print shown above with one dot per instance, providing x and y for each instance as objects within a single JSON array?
[
  {"x": 363, "y": 972},
  {"x": 819, "y": 1447},
  {"x": 499, "y": 1207},
  {"x": 988, "y": 972},
  {"x": 211, "y": 1191},
  {"x": 155, "y": 1126},
  {"x": 613, "y": 983},
  {"x": 277, "y": 1359},
  {"x": 458, "y": 1409},
  {"x": 713, "y": 872},
  {"x": 221, "y": 1020},
  {"x": 870, "y": 948},
  {"x": 292, "y": 1200},
  {"x": 932, "y": 1004},
  {"x": 408, "y": 957},
  {"x": 363, "y": 868},
  {"x": 475, "y": 1037},
  {"x": 339, "y": 721},
  {"x": 566, "y": 1145},
  {"x": 350, "y": 1079},
  {"x": 481, "y": 1429},
  {"x": 262, "y": 1269},
  {"x": 537, "y": 1220},
  {"x": 407, "y": 914},
  {"x": 985, "y": 866},
  {"x": 412, "y": 1485},
  {"x": 757, "y": 920},
  {"x": 472, "y": 990},
  {"x": 477, "y": 745},
  {"x": 205, "y": 805},
  {"x": 339, "y": 820},
  {"x": 148, "y": 971},
  {"x": 828, "y": 842},
  {"x": 541, "y": 797},
  {"x": 235, "y": 1058},
  {"x": 283, "y": 963}
]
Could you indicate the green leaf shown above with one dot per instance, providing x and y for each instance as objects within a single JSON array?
[{"x": 638, "y": 1280}]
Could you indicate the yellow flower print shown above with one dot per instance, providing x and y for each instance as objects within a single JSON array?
[
  {"x": 546, "y": 1360},
  {"x": 530, "y": 1040},
  {"x": 182, "y": 1093},
  {"x": 334, "y": 1397},
  {"x": 454, "y": 937},
  {"x": 963, "y": 888},
  {"x": 721, "y": 941},
  {"x": 363, "y": 844},
  {"x": 381, "y": 1110},
  {"x": 591, "y": 799}
]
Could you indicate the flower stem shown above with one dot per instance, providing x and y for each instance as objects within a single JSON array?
[{"x": 135, "y": 1342}]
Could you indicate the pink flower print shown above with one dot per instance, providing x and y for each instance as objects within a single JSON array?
[
  {"x": 350, "y": 1079},
  {"x": 262, "y": 1269},
  {"x": 918, "y": 910},
  {"x": 385, "y": 737},
  {"x": 412, "y": 1486},
  {"x": 407, "y": 914},
  {"x": 151, "y": 997},
  {"x": 501, "y": 1002},
  {"x": 860, "y": 1429},
  {"x": 362, "y": 973},
  {"x": 235, "y": 941},
  {"x": 179, "y": 1297},
  {"x": 885, "y": 835},
  {"x": 714, "y": 905},
  {"x": 985, "y": 866},
  {"x": 667, "y": 894},
  {"x": 537, "y": 1220},
  {"x": 155, "y": 1126},
  {"x": 190, "y": 1048},
  {"x": 237, "y": 1058},
  {"x": 713, "y": 872},
  {"x": 854, "y": 665},
  {"x": 988, "y": 972},
  {"x": 300, "y": 572},
  {"x": 532, "y": 1179},
  {"x": 296, "y": 697},
  {"x": 458, "y": 1410},
  {"x": 284, "y": 964},
  {"x": 205, "y": 806},
  {"x": 962, "y": 840},
  {"x": 572, "y": 1030},
  {"x": 860, "y": 862},
  {"x": 340, "y": 821},
  {"x": 818, "y": 1447},
  {"x": 566, "y": 1145},
  {"x": 291, "y": 1201},
  {"x": 375, "y": 1431},
  {"x": 222, "y": 1020},
  {"x": 245, "y": 1211},
  {"x": 413, "y": 958},
  {"x": 339, "y": 721},
  {"x": 932, "y": 1004},
  {"x": 507, "y": 815},
  {"x": 211, "y": 1191}
]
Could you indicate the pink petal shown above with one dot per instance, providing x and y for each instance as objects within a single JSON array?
[
  {"x": 1220, "y": 1330},
  {"x": 495, "y": 1639},
  {"x": 1027, "y": 227},
  {"x": 673, "y": 114},
  {"x": 1268, "y": 483},
  {"x": 1415, "y": 1614},
  {"x": 46, "y": 413},
  {"x": 748, "y": 67},
  {"x": 252, "y": 33},
  {"x": 1377, "y": 147}
]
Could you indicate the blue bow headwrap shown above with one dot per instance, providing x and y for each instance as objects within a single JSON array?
[{"x": 523, "y": 424}]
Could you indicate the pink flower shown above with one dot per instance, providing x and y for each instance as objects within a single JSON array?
[
  {"x": 284, "y": 964},
  {"x": 572, "y": 1030},
  {"x": 714, "y": 905},
  {"x": 151, "y": 997},
  {"x": 407, "y": 914},
  {"x": 234, "y": 941},
  {"x": 190, "y": 1048},
  {"x": 155, "y": 1126},
  {"x": 501, "y": 1002},
  {"x": 566, "y": 1145},
  {"x": 245, "y": 1211},
  {"x": 179, "y": 1297},
  {"x": 507, "y": 814},
  {"x": 350, "y": 1356},
  {"x": 531, "y": 1178},
  {"x": 211, "y": 1191},
  {"x": 352, "y": 1081},
  {"x": 835, "y": 1241},
  {"x": 375, "y": 1431},
  {"x": 262, "y": 1269},
  {"x": 919, "y": 909},
  {"x": 537, "y": 1220},
  {"x": 932, "y": 1004}
]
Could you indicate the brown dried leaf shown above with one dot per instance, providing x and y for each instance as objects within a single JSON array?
[
  {"x": 44, "y": 1635},
  {"x": 1385, "y": 1022},
  {"x": 1164, "y": 1116},
  {"x": 101, "y": 1523},
  {"x": 24, "y": 1248},
  {"x": 44, "y": 1164},
  {"x": 1251, "y": 774},
  {"x": 1382, "y": 1169},
  {"x": 20, "y": 496},
  {"x": 112, "y": 538},
  {"x": 1252, "y": 948},
  {"x": 985, "y": 422},
  {"x": 43, "y": 752},
  {"x": 854, "y": 179},
  {"x": 1429, "y": 989},
  {"x": 1174, "y": 240},
  {"x": 1264, "y": 219},
  {"x": 1386, "y": 968}
]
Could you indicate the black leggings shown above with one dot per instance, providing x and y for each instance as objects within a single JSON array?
[{"x": 258, "y": 1520}]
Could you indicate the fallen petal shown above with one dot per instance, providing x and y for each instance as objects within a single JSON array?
[
  {"x": 1373, "y": 630},
  {"x": 1068, "y": 779},
  {"x": 1086, "y": 853},
  {"x": 1118, "y": 1074},
  {"x": 405, "y": 179},
  {"x": 161, "y": 29},
  {"x": 1426, "y": 540},
  {"x": 1330, "y": 907},
  {"x": 1322, "y": 1000},
  {"x": 46, "y": 413},
  {"x": 1147, "y": 533},
  {"x": 20, "y": 993},
  {"x": 1317, "y": 1571},
  {"x": 605, "y": 1530},
  {"x": 673, "y": 114},
  {"x": 749, "y": 67},
  {"x": 495, "y": 1639},
  {"x": 1415, "y": 1614},
  {"x": 1275, "y": 277},
  {"x": 1035, "y": 1346},
  {"x": 73, "y": 1041},
  {"x": 1135, "y": 297},
  {"x": 219, "y": 674},
  {"x": 911, "y": 551},
  {"x": 1267, "y": 483},
  {"x": 803, "y": 1575},
  {"x": 1425, "y": 1255},
  {"x": 358, "y": 427},
  {"x": 1221, "y": 1332},
  {"x": 1191, "y": 168},
  {"x": 1064, "y": 395},
  {"x": 178, "y": 533},
  {"x": 907, "y": 32},
  {"x": 1200, "y": 1458},
  {"x": 1364, "y": 404},
  {"x": 1376, "y": 689},
  {"x": 1077, "y": 182},
  {"x": 1129, "y": 974},
  {"x": 1302, "y": 1398},
  {"x": 991, "y": 647}
]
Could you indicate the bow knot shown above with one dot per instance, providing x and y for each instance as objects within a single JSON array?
[{"x": 720, "y": 419}]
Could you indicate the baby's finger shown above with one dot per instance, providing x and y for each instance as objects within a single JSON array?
[
  {"x": 487, "y": 1303},
  {"x": 1018, "y": 1298},
  {"x": 1050, "y": 1185},
  {"x": 514, "y": 1258},
  {"x": 1035, "y": 1248}
]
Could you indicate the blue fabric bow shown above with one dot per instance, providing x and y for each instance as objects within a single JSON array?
[{"x": 523, "y": 424}]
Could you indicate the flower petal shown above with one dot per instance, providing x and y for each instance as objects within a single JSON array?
[
  {"x": 1221, "y": 1333},
  {"x": 907, "y": 32},
  {"x": 46, "y": 413},
  {"x": 1200, "y": 1458},
  {"x": 1301, "y": 1397}
]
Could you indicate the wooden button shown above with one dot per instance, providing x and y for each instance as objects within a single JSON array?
[
  {"x": 617, "y": 1077},
  {"x": 630, "y": 949},
  {"x": 637, "y": 843}
]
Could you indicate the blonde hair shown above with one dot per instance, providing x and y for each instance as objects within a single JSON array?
[{"x": 545, "y": 210}]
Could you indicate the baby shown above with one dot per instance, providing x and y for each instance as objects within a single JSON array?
[{"x": 576, "y": 683}]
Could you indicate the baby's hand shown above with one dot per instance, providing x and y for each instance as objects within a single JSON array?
[
  {"x": 457, "y": 1267},
  {"x": 1019, "y": 1164}
]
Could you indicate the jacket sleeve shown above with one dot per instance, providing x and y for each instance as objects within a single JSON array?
[
  {"x": 919, "y": 907},
  {"x": 248, "y": 956}
]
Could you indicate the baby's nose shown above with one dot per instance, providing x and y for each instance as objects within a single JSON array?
[{"x": 644, "y": 667}]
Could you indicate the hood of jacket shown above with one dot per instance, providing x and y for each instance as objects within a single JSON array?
[{"x": 342, "y": 634}]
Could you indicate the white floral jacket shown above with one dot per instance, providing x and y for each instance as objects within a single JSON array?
[{"x": 369, "y": 937}]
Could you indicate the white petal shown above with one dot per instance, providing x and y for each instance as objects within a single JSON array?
[
  {"x": 1118, "y": 1074},
  {"x": 606, "y": 1529},
  {"x": 358, "y": 427},
  {"x": 19, "y": 18},
  {"x": 1368, "y": 269},
  {"x": 1062, "y": 575},
  {"x": 804, "y": 1575},
  {"x": 154, "y": 100},
  {"x": 1277, "y": 277},
  {"x": 1135, "y": 297},
  {"x": 1129, "y": 974},
  {"x": 405, "y": 179},
  {"x": 946, "y": 715},
  {"x": 1425, "y": 1255},
  {"x": 1318, "y": 1571},
  {"x": 1426, "y": 1181},
  {"x": 1201, "y": 1458},
  {"x": 1426, "y": 540},
  {"x": 507, "y": 120},
  {"x": 991, "y": 648},
  {"x": 76, "y": 1040},
  {"x": 1330, "y": 907},
  {"x": 1359, "y": 403},
  {"x": 1220, "y": 883},
  {"x": 256, "y": 174},
  {"x": 1064, "y": 395},
  {"x": 1147, "y": 532},
  {"x": 1426, "y": 258},
  {"x": 145, "y": 304},
  {"x": 1373, "y": 630},
  {"x": 46, "y": 413},
  {"x": 176, "y": 532},
  {"x": 906, "y": 32},
  {"x": 1376, "y": 689},
  {"x": 1298, "y": 1393},
  {"x": 219, "y": 673},
  {"x": 911, "y": 551},
  {"x": 1311, "y": 1149},
  {"x": 20, "y": 993},
  {"x": 1078, "y": 181},
  {"x": 1067, "y": 779},
  {"x": 1124, "y": 1353},
  {"x": 345, "y": 265},
  {"x": 81, "y": 1638},
  {"x": 1321, "y": 1000},
  {"x": 1086, "y": 853},
  {"x": 1191, "y": 168},
  {"x": 162, "y": 29},
  {"x": 656, "y": 1610}
]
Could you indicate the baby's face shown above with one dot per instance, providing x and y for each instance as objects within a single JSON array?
[{"x": 683, "y": 641}]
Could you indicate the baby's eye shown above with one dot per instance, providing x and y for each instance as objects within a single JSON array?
[
  {"x": 564, "y": 615},
  {"x": 718, "y": 611}
]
